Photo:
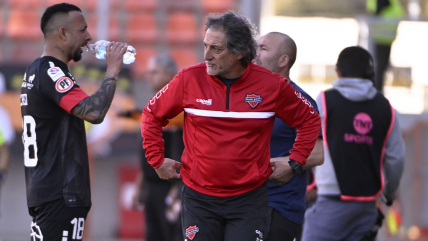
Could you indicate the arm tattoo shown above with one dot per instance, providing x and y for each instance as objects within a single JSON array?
[{"x": 94, "y": 108}]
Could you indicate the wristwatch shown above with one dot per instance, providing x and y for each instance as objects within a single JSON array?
[{"x": 296, "y": 167}]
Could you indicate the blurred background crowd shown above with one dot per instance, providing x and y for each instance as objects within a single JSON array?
[{"x": 321, "y": 29}]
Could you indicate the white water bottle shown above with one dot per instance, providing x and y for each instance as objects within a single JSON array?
[{"x": 99, "y": 49}]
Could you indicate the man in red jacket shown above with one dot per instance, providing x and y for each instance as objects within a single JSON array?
[{"x": 230, "y": 106}]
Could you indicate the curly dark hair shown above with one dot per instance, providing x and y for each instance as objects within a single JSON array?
[{"x": 240, "y": 34}]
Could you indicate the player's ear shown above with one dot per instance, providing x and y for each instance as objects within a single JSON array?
[
  {"x": 283, "y": 60},
  {"x": 338, "y": 73},
  {"x": 62, "y": 33}
]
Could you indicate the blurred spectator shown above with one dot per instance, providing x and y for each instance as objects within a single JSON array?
[
  {"x": 363, "y": 147},
  {"x": 384, "y": 30},
  {"x": 7, "y": 135},
  {"x": 160, "y": 198},
  {"x": 2, "y": 83}
]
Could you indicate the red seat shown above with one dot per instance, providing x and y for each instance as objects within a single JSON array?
[
  {"x": 141, "y": 59},
  {"x": 114, "y": 30},
  {"x": 115, "y": 33},
  {"x": 140, "y": 5},
  {"x": 181, "y": 28},
  {"x": 91, "y": 5},
  {"x": 78, "y": 3},
  {"x": 215, "y": 6},
  {"x": 2, "y": 25},
  {"x": 141, "y": 28},
  {"x": 185, "y": 57},
  {"x": 26, "y": 3},
  {"x": 24, "y": 24},
  {"x": 202, "y": 28},
  {"x": 182, "y": 5},
  {"x": 23, "y": 53}
]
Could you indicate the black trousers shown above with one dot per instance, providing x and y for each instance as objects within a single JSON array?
[
  {"x": 157, "y": 226},
  {"x": 282, "y": 229},
  {"x": 207, "y": 218}
]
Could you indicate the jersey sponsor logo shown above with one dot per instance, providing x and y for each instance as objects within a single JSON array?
[
  {"x": 253, "y": 100},
  {"x": 205, "y": 102},
  {"x": 24, "y": 100},
  {"x": 51, "y": 64},
  {"x": 363, "y": 124},
  {"x": 64, "y": 84},
  {"x": 191, "y": 232},
  {"x": 55, "y": 73},
  {"x": 31, "y": 79}
]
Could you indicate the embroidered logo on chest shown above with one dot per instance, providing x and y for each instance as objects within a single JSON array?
[{"x": 253, "y": 100}]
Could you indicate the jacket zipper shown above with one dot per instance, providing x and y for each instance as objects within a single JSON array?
[{"x": 227, "y": 97}]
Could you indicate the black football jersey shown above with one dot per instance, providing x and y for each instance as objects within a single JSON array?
[{"x": 55, "y": 150}]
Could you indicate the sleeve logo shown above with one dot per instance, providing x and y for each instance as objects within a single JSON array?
[
  {"x": 64, "y": 84},
  {"x": 55, "y": 73},
  {"x": 300, "y": 96}
]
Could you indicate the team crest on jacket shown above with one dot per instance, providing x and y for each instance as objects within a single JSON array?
[
  {"x": 191, "y": 232},
  {"x": 253, "y": 100}
]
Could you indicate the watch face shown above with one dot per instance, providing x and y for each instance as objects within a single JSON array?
[{"x": 296, "y": 167}]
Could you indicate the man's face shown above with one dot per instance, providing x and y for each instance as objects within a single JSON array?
[
  {"x": 219, "y": 60},
  {"x": 157, "y": 76},
  {"x": 78, "y": 35},
  {"x": 268, "y": 52}
]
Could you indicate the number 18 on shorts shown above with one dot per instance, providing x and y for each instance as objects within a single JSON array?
[{"x": 55, "y": 221}]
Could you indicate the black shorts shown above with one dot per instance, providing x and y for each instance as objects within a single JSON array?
[
  {"x": 207, "y": 218},
  {"x": 282, "y": 229},
  {"x": 54, "y": 221}
]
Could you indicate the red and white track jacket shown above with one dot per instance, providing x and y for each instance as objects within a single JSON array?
[{"x": 227, "y": 132}]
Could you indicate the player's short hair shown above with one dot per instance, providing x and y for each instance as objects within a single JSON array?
[
  {"x": 288, "y": 47},
  {"x": 240, "y": 34},
  {"x": 355, "y": 62},
  {"x": 60, "y": 8},
  {"x": 167, "y": 63}
]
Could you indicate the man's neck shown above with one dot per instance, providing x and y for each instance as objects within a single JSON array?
[
  {"x": 236, "y": 73},
  {"x": 56, "y": 51},
  {"x": 285, "y": 73}
]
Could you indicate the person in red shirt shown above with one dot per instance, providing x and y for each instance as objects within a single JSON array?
[{"x": 230, "y": 106}]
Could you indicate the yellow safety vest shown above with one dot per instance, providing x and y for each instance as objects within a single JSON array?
[{"x": 385, "y": 27}]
